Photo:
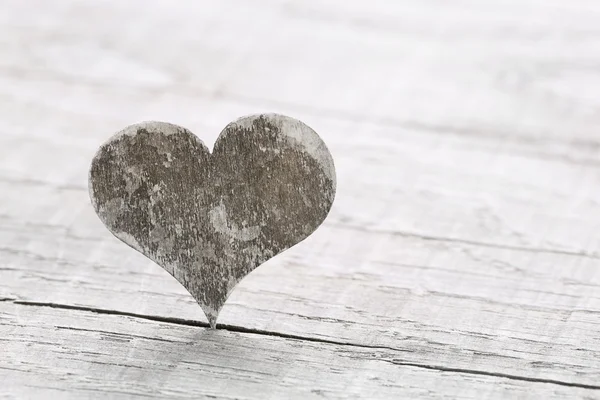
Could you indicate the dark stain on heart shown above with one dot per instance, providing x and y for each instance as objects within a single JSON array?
[{"x": 210, "y": 219}]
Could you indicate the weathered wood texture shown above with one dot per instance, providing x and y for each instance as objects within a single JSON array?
[
  {"x": 209, "y": 219},
  {"x": 461, "y": 258},
  {"x": 120, "y": 357}
]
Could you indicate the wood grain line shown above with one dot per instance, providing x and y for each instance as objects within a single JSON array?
[{"x": 241, "y": 329}]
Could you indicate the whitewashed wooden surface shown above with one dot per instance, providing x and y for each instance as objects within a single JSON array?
[{"x": 461, "y": 259}]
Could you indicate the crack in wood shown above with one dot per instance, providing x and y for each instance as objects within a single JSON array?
[
  {"x": 495, "y": 374},
  {"x": 240, "y": 329},
  {"x": 70, "y": 328}
]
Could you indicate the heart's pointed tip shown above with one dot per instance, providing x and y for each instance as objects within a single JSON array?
[
  {"x": 212, "y": 320},
  {"x": 211, "y": 315}
]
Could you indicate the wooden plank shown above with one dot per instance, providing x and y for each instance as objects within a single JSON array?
[
  {"x": 422, "y": 185},
  {"x": 518, "y": 70},
  {"x": 73, "y": 354},
  {"x": 463, "y": 237},
  {"x": 497, "y": 311},
  {"x": 535, "y": 283},
  {"x": 490, "y": 181}
]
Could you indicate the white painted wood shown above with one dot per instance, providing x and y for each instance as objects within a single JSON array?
[
  {"x": 445, "y": 304},
  {"x": 464, "y": 233},
  {"x": 121, "y": 357}
]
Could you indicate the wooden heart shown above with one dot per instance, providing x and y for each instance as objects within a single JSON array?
[{"x": 210, "y": 219}]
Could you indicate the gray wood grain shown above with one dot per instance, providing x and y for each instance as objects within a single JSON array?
[
  {"x": 462, "y": 245},
  {"x": 211, "y": 218},
  {"x": 444, "y": 306},
  {"x": 84, "y": 357}
]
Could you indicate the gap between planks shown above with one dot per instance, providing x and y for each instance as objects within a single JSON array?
[{"x": 241, "y": 329}]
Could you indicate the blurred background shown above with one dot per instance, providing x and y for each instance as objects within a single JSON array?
[{"x": 461, "y": 119}]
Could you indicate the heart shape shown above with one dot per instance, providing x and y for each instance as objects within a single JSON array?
[{"x": 210, "y": 219}]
